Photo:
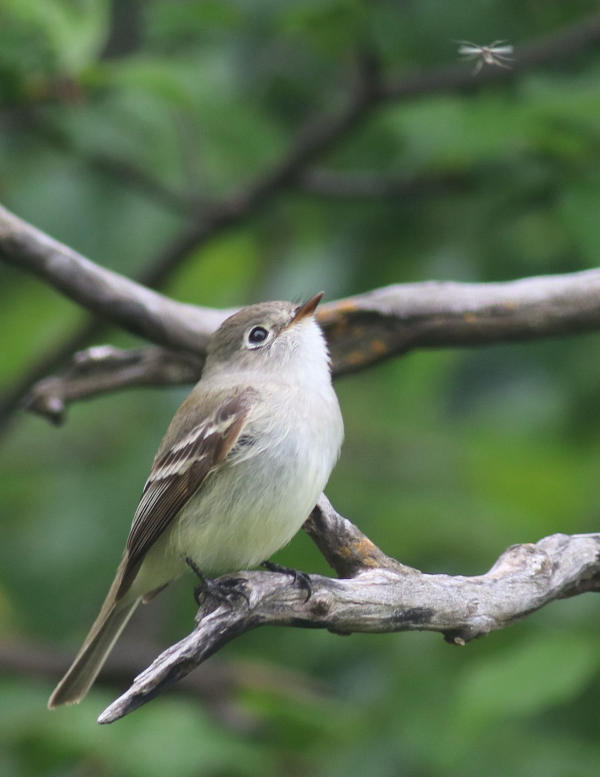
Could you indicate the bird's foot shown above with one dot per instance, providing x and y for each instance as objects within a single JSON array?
[
  {"x": 301, "y": 579},
  {"x": 225, "y": 591}
]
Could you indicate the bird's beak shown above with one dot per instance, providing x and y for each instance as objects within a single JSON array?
[{"x": 307, "y": 309}]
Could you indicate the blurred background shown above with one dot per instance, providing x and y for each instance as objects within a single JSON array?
[{"x": 120, "y": 122}]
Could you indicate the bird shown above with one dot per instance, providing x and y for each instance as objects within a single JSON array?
[{"x": 240, "y": 468}]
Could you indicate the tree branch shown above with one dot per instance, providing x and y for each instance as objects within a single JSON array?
[
  {"x": 361, "y": 330},
  {"x": 104, "y": 368},
  {"x": 111, "y": 296},
  {"x": 346, "y": 186},
  {"x": 378, "y": 594},
  {"x": 390, "y": 321}
]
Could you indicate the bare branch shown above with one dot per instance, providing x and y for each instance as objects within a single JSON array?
[
  {"x": 361, "y": 330},
  {"x": 108, "y": 294},
  {"x": 52, "y": 359},
  {"x": 103, "y": 368},
  {"x": 125, "y": 29},
  {"x": 343, "y": 185},
  {"x": 346, "y": 549},
  {"x": 381, "y": 596},
  {"x": 390, "y": 321}
]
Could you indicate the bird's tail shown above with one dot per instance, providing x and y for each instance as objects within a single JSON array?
[{"x": 107, "y": 627}]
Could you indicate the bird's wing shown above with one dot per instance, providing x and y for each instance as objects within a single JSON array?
[{"x": 179, "y": 471}]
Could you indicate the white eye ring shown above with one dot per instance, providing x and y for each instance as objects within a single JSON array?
[{"x": 257, "y": 336}]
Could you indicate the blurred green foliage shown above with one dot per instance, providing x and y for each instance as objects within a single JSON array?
[{"x": 450, "y": 456}]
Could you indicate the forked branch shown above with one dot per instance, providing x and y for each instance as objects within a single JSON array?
[
  {"x": 104, "y": 368},
  {"x": 378, "y": 594},
  {"x": 361, "y": 330}
]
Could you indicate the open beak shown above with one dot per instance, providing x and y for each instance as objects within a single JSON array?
[{"x": 307, "y": 309}]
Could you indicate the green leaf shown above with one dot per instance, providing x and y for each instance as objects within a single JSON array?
[
  {"x": 76, "y": 31},
  {"x": 525, "y": 680}
]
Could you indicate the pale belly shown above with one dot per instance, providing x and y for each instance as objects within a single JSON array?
[
  {"x": 235, "y": 523},
  {"x": 243, "y": 513}
]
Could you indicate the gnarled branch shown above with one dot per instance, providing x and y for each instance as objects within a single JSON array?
[
  {"x": 378, "y": 594},
  {"x": 104, "y": 368},
  {"x": 361, "y": 330}
]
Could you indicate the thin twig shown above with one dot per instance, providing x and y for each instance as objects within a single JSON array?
[{"x": 350, "y": 186}]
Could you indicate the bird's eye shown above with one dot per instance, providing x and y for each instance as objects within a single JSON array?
[{"x": 257, "y": 335}]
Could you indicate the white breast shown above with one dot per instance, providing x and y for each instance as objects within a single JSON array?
[{"x": 251, "y": 508}]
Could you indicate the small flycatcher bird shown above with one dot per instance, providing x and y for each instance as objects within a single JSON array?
[{"x": 238, "y": 472}]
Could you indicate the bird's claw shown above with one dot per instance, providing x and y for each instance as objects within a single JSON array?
[
  {"x": 225, "y": 591},
  {"x": 301, "y": 579}
]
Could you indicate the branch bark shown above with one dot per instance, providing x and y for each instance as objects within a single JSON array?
[
  {"x": 111, "y": 296},
  {"x": 104, "y": 368},
  {"x": 378, "y": 594},
  {"x": 215, "y": 689},
  {"x": 361, "y": 330}
]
